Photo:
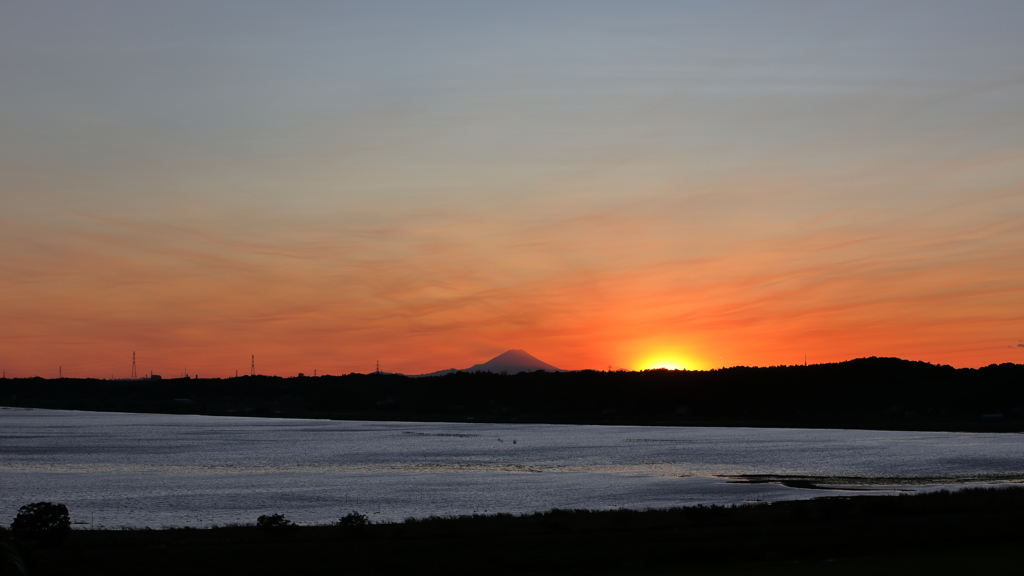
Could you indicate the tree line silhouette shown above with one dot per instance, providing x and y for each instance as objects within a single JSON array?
[{"x": 882, "y": 393}]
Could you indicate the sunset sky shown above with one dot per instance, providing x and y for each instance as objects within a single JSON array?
[{"x": 624, "y": 184}]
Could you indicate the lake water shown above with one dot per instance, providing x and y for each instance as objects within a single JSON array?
[{"x": 156, "y": 470}]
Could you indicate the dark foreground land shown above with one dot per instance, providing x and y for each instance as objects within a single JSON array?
[
  {"x": 869, "y": 393},
  {"x": 978, "y": 531}
]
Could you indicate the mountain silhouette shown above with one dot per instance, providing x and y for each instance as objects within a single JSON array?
[{"x": 511, "y": 362}]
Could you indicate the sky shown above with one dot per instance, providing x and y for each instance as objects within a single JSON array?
[{"x": 326, "y": 185}]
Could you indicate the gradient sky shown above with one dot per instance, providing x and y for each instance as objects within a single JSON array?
[{"x": 328, "y": 184}]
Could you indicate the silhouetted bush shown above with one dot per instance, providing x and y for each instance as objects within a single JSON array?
[
  {"x": 42, "y": 520},
  {"x": 354, "y": 520},
  {"x": 273, "y": 522},
  {"x": 10, "y": 561}
]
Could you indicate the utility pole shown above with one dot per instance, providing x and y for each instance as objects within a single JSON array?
[
  {"x": 134, "y": 375},
  {"x": 252, "y": 365},
  {"x": 60, "y": 372},
  {"x": 378, "y": 366}
]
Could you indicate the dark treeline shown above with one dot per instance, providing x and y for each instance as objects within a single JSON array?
[
  {"x": 969, "y": 531},
  {"x": 879, "y": 393}
]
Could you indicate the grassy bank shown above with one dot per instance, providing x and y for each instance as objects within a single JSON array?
[{"x": 941, "y": 532}]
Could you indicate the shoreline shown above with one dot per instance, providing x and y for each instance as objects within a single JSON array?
[
  {"x": 865, "y": 394},
  {"x": 1007, "y": 428},
  {"x": 952, "y": 427},
  {"x": 974, "y": 525}
]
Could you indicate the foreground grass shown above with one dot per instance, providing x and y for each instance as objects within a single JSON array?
[{"x": 941, "y": 533}]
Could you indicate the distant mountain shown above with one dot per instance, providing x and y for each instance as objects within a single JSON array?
[{"x": 511, "y": 362}]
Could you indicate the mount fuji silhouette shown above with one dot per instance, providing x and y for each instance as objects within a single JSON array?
[{"x": 511, "y": 362}]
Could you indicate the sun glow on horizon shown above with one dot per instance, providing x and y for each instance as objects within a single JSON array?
[
  {"x": 667, "y": 365},
  {"x": 668, "y": 361}
]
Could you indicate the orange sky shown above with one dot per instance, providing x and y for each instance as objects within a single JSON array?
[{"x": 661, "y": 186}]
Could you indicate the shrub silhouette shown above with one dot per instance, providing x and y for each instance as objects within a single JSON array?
[
  {"x": 354, "y": 520},
  {"x": 43, "y": 520},
  {"x": 10, "y": 561},
  {"x": 273, "y": 522}
]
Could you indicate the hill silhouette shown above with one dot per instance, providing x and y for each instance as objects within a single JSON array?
[{"x": 871, "y": 393}]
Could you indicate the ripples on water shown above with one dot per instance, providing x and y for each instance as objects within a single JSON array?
[{"x": 171, "y": 470}]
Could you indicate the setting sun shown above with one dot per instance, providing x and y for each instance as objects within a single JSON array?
[
  {"x": 667, "y": 364},
  {"x": 667, "y": 361}
]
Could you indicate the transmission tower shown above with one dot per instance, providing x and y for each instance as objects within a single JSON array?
[
  {"x": 252, "y": 365},
  {"x": 378, "y": 366},
  {"x": 134, "y": 375}
]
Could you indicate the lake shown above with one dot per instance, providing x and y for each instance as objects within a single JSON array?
[{"x": 156, "y": 470}]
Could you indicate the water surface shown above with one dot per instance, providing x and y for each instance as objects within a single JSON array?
[{"x": 157, "y": 470}]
